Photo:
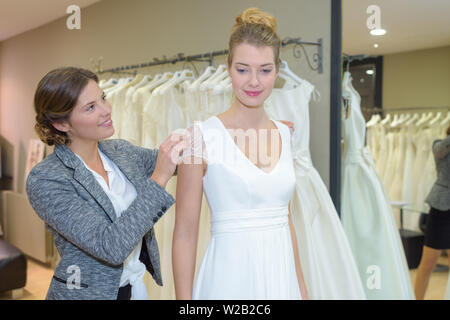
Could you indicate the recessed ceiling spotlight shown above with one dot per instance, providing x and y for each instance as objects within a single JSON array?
[
  {"x": 378, "y": 32},
  {"x": 375, "y": 45}
]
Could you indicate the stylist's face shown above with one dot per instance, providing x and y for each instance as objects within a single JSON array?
[{"x": 91, "y": 117}]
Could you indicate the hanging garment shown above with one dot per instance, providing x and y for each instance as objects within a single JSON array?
[
  {"x": 150, "y": 122},
  {"x": 410, "y": 218},
  {"x": 397, "y": 183},
  {"x": 166, "y": 111},
  {"x": 425, "y": 169},
  {"x": 372, "y": 137},
  {"x": 410, "y": 154},
  {"x": 380, "y": 160},
  {"x": 328, "y": 266},
  {"x": 250, "y": 254},
  {"x": 367, "y": 215}
]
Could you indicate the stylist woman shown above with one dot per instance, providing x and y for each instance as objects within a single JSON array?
[
  {"x": 100, "y": 199},
  {"x": 437, "y": 233}
]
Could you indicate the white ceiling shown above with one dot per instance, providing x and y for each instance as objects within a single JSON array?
[
  {"x": 410, "y": 24},
  {"x": 18, "y": 16}
]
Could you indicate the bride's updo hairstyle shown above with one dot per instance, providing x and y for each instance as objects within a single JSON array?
[{"x": 257, "y": 28}]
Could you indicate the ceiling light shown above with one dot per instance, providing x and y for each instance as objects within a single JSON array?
[
  {"x": 378, "y": 32},
  {"x": 370, "y": 72},
  {"x": 375, "y": 45}
]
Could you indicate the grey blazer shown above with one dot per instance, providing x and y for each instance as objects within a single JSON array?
[
  {"x": 92, "y": 242},
  {"x": 439, "y": 196}
]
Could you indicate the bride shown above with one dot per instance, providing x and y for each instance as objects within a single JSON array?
[{"x": 242, "y": 160}]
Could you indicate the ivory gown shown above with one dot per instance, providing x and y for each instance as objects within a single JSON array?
[{"x": 367, "y": 215}]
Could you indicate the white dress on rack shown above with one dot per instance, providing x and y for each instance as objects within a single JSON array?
[
  {"x": 164, "y": 123},
  {"x": 250, "y": 254},
  {"x": 410, "y": 218},
  {"x": 397, "y": 182},
  {"x": 425, "y": 168},
  {"x": 328, "y": 266},
  {"x": 367, "y": 216},
  {"x": 380, "y": 161},
  {"x": 407, "y": 190}
]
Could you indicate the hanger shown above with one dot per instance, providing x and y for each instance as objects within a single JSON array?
[
  {"x": 106, "y": 84},
  {"x": 219, "y": 72},
  {"x": 413, "y": 119},
  {"x": 284, "y": 68},
  {"x": 446, "y": 119},
  {"x": 386, "y": 120},
  {"x": 425, "y": 117},
  {"x": 215, "y": 79},
  {"x": 119, "y": 85},
  {"x": 206, "y": 74},
  {"x": 435, "y": 119},
  {"x": 220, "y": 87},
  {"x": 373, "y": 120},
  {"x": 156, "y": 83},
  {"x": 221, "y": 77},
  {"x": 404, "y": 117},
  {"x": 394, "y": 122},
  {"x": 147, "y": 79},
  {"x": 176, "y": 79},
  {"x": 289, "y": 83}
]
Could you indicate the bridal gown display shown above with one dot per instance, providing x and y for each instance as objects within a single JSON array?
[
  {"x": 250, "y": 254},
  {"x": 162, "y": 115},
  {"x": 367, "y": 216},
  {"x": 328, "y": 266},
  {"x": 407, "y": 167}
]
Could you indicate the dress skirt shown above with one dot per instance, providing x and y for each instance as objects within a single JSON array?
[{"x": 437, "y": 232}]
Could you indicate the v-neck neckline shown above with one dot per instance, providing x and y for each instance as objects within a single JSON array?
[{"x": 243, "y": 154}]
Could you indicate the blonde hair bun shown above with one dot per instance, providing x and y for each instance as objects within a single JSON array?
[
  {"x": 256, "y": 16},
  {"x": 255, "y": 27}
]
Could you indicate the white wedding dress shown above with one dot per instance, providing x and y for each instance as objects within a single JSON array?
[
  {"x": 367, "y": 215},
  {"x": 328, "y": 266},
  {"x": 250, "y": 254}
]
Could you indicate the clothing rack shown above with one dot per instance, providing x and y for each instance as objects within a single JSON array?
[
  {"x": 209, "y": 56},
  {"x": 349, "y": 59},
  {"x": 416, "y": 109}
]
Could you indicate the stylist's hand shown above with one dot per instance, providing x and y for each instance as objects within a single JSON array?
[{"x": 169, "y": 154}]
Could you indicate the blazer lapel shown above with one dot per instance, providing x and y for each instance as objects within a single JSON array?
[
  {"x": 86, "y": 179},
  {"x": 122, "y": 160}
]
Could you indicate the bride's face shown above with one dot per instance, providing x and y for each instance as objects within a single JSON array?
[{"x": 253, "y": 73}]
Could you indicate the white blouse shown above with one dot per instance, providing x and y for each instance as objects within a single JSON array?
[{"x": 121, "y": 193}]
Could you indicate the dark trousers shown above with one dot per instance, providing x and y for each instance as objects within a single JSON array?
[{"x": 125, "y": 291}]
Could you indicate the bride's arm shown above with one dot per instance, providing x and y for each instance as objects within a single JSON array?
[
  {"x": 298, "y": 268},
  {"x": 187, "y": 208}
]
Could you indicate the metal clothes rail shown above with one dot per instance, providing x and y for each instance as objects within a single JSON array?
[
  {"x": 209, "y": 56},
  {"x": 415, "y": 109}
]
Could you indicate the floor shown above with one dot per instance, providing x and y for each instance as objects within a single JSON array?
[{"x": 39, "y": 277}]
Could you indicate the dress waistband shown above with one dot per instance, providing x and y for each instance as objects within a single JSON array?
[
  {"x": 359, "y": 155},
  {"x": 249, "y": 220}
]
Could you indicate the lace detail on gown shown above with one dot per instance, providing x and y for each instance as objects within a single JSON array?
[{"x": 196, "y": 153}]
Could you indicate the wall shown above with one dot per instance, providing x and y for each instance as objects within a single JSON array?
[
  {"x": 135, "y": 31},
  {"x": 417, "y": 79}
]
